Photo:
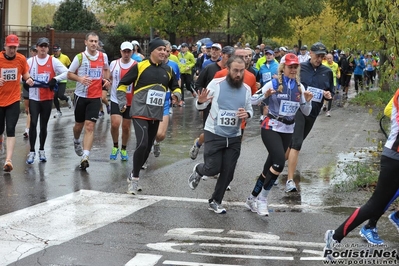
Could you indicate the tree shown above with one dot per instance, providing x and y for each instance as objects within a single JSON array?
[
  {"x": 270, "y": 18},
  {"x": 42, "y": 14},
  {"x": 72, "y": 15},
  {"x": 167, "y": 17}
]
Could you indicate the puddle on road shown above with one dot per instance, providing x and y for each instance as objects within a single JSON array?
[{"x": 317, "y": 189}]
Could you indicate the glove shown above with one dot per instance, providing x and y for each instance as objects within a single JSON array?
[{"x": 52, "y": 84}]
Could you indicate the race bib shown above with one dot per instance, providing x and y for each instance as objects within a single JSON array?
[
  {"x": 266, "y": 76},
  {"x": 317, "y": 94},
  {"x": 156, "y": 98},
  {"x": 183, "y": 61},
  {"x": 227, "y": 118},
  {"x": 43, "y": 77},
  {"x": 288, "y": 108},
  {"x": 9, "y": 74},
  {"x": 95, "y": 73}
]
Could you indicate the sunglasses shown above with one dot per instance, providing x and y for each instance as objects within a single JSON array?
[
  {"x": 43, "y": 45},
  {"x": 293, "y": 67}
]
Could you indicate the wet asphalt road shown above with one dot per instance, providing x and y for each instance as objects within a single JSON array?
[{"x": 172, "y": 214}]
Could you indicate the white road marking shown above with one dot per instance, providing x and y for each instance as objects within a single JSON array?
[
  {"x": 185, "y": 263},
  {"x": 142, "y": 259},
  {"x": 244, "y": 256},
  {"x": 56, "y": 221},
  {"x": 262, "y": 239}
]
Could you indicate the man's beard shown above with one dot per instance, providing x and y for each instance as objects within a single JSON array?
[{"x": 234, "y": 82}]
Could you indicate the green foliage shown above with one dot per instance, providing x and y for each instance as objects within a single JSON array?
[
  {"x": 42, "y": 14},
  {"x": 349, "y": 9},
  {"x": 72, "y": 15},
  {"x": 377, "y": 98},
  {"x": 361, "y": 175},
  {"x": 250, "y": 17},
  {"x": 167, "y": 17}
]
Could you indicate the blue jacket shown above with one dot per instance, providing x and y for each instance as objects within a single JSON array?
[
  {"x": 359, "y": 65},
  {"x": 266, "y": 73}
]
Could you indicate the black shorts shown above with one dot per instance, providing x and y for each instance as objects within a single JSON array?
[
  {"x": 115, "y": 111},
  {"x": 86, "y": 109}
]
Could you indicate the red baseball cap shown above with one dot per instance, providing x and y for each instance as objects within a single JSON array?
[
  {"x": 291, "y": 59},
  {"x": 12, "y": 40}
]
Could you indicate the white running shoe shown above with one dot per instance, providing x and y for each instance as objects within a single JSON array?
[{"x": 262, "y": 208}]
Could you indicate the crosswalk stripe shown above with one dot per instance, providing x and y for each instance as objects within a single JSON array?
[
  {"x": 56, "y": 221},
  {"x": 142, "y": 259}
]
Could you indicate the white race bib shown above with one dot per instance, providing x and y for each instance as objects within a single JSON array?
[
  {"x": 227, "y": 118},
  {"x": 9, "y": 74},
  {"x": 317, "y": 94},
  {"x": 156, "y": 98},
  {"x": 266, "y": 77},
  {"x": 129, "y": 88},
  {"x": 288, "y": 108},
  {"x": 95, "y": 73},
  {"x": 43, "y": 77}
]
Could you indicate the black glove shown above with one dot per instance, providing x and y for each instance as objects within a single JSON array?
[{"x": 52, "y": 84}]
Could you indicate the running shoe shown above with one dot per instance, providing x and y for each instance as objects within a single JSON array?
[
  {"x": 194, "y": 178},
  {"x": 133, "y": 185},
  {"x": 216, "y": 207},
  {"x": 8, "y": 166},
  {"x": 157, "y": 150},
  {"x": 26, "y": 135},
  {"x": 228, "y": 188},
  {"x": 195, "y": 149},
  {"x": 328, "y": 114},
  {"x": 69, "y": 101},
  {"x": 371, "y": 236},
  {"x": 114, "y": 153},
  {"x": 101, "y": 114},
  {"x": 31, "y": 157},
  {"x": 84, "y": 162},
  {"x": 330, "y": 244},
  {"x": 261, "y": 207},
  {"x": 58, "y": 114},
  {"x": 324, "y": 107},
  {"x": 145, "y": 165},
  {"x": 394, "y": 220},
  {"x": 78, "y": 148},
  {"x": 124, "y": 156},
  {"x": 290, "y": 186},
  {"x": 250, "y": 204},
  {"x": 42, "y": 156}
]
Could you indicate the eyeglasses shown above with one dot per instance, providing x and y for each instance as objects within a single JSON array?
[
  {"x": 293, "y": 67},
  {"x": 43, "y": 45}
]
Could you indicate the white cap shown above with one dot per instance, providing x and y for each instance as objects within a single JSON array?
[
  {"x": 134, "y": 42},
  {"x": 282, "y": 48},
  {"x": 126, "y": 45},
  {"x": 282, "y": 60},
  {"x": 217, "y": 46}
]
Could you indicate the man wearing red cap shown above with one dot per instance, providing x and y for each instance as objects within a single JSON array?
[{"x": 13, "y": 65}]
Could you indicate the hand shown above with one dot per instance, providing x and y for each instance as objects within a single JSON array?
[
  {"x": 174, "y": 99},
  {"x": 30, "y": 81},
  {"x": 269, "y": 92},
  {"x": 123, "y": 109},
  {"x": 85, "y": 80},
  {"x": 106, "y": 83},
  {"x": 203, "y": 96},
  {"x": 2, "y": 81},
  {"x": 242, "y": 114},
  {"x": 327, "y": 95},
  {"x": 308, "y": 96},
  {"x": 52, "y": 83}
]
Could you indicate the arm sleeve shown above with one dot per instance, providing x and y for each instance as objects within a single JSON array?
[{"x": 306, "y": 107}]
